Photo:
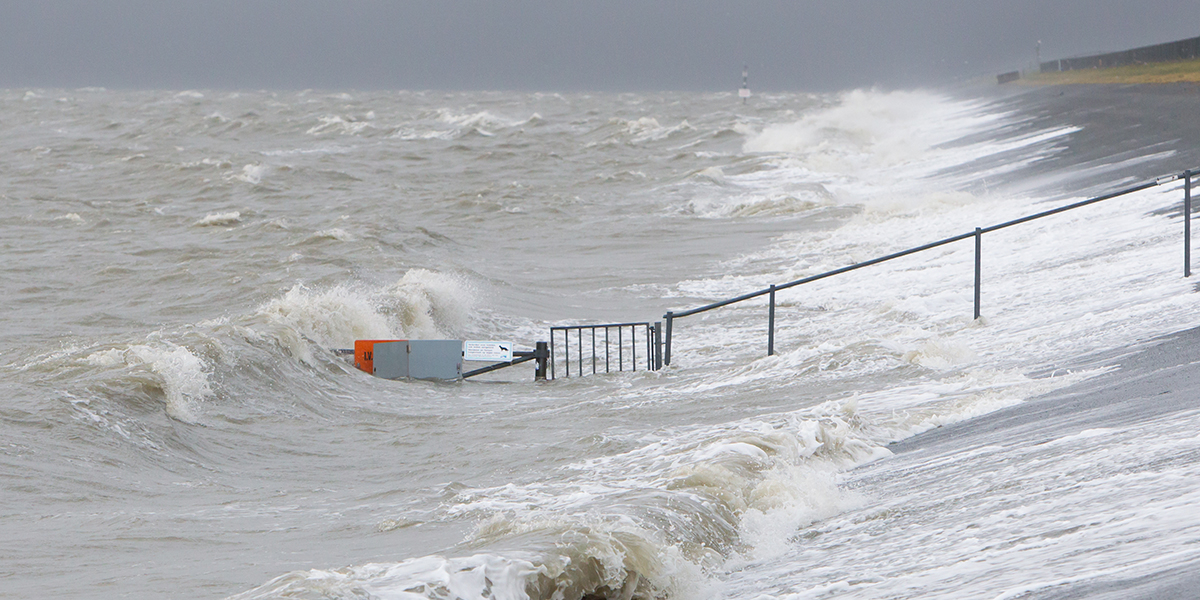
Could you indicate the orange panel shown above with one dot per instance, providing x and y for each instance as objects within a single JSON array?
[{"x": 364, "y": 354}]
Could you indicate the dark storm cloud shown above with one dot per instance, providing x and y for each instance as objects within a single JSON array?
[{"x": 555, "y": 45}]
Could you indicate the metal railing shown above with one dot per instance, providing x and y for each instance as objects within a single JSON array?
[
  {"x": 618, "y": 342},
  {"x": 977, "y": 235}
]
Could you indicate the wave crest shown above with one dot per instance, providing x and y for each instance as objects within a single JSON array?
[
  {"x": 421, "y": 305},
  {"x": 176, "y": 371},
  {"x": 868, "y": 129}
]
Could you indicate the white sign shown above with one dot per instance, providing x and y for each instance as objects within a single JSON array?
[{"x": 488, "y": 351}]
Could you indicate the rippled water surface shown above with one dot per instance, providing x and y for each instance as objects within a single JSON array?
[{"x": 180, "y": 268}]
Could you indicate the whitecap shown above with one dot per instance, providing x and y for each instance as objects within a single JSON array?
[{"x": 219, "y": 219}]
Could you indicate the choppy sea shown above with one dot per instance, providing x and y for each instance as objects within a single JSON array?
[{"x": 179, "y": 269}]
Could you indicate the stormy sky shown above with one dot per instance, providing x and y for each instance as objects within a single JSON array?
[{"x": 557, "y": 45}]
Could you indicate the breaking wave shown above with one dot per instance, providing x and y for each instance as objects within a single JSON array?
[
  {"x": 176, "y": 372},
  {"x": 421, "y": 305},
  {"x": 180, "y": 367}
]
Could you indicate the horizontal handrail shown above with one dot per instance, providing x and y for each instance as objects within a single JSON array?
[
  {"x": 784, "y": 286},
  {"x": 1187, "y": 175},
  {"x": 929, "y": 246},
  {"x": 598, "y": 326},
  {"x": 1054, "y": 211}
]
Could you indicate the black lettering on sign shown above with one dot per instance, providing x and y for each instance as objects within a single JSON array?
[{"x": 367, "y": 356}]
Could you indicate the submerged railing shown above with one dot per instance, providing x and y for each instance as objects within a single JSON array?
[
  {"x": 617, "y": 341},
  {"x": 656, "y": 338},
  {"x": 770, "y": 291}
]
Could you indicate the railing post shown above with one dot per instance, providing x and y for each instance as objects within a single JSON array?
[
  {"x": 657, "y": 345},
  {"x": 541, "y": 353},
  {"x": 1187, "y": 223},
  {"x": 670, "y": 316},
  {"x": 771, "y": 324},
  {"x": 552, "y": 354},
  {"x": 978, "y": 267},
  {"x": 649, "y": 347}
]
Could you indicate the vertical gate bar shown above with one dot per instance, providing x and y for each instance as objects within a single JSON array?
[
  {"x": 579, "y": 334},
  {"x": 620, "y": 348},
  {"x": 1187, "y": 223},
  {"x": 978, "y": 267},
  {"x": 633, "y": 346},
  {"x": 771, "y": 324},
  {"x": 593, "y": 350},
  {"x": 670, "y": 316},
  {"x": 567, "y": 350},
  {"x": 551, "y": 353}
]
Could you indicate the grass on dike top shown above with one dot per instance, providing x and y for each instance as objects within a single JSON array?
[{"x": 1167, "y": 72}]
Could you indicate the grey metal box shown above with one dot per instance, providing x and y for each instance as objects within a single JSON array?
[
  {"x": 391, "y": 359},
  {"x": 419, "y": 359},
  {"x": 435, "y": 359}
]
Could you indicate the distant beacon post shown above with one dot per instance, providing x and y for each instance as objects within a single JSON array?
[{"x": 744, "y": 93}]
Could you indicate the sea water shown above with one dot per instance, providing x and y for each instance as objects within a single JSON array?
[{"x": 181, "y": 267}]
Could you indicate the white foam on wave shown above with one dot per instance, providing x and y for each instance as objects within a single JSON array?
[
  {"x": 774, "y": 475},
  {"x": 421, "y": 305},
  {"x": 333, "y": 233},
  {"x": 332, "y": 318},
  {"x": 941, "y": 354},
  {"x": 645, "y": 129},
  {"x": 654, "y": 521},
  {"x": 206, "y": 162},
  {"x": 409, "y": 134},
  {"x": 177, "y": 371},
  {"x": 252, "y": 173},
  {"x": 219, "y": 219},
  {"x": 428, "y": 303},
  {"x": 871, "y": 149},
  {"x": 759, "y": 204},
  {"x": 342, "y": 125},
  {"x": 713, "y": 174},
  {"x": 478, "y": 120},
  {"x": 450, "y": 124},
  {"x": 868, "y": 130}
]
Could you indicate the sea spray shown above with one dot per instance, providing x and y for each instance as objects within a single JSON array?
[{"x": 421, "y": 305}]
